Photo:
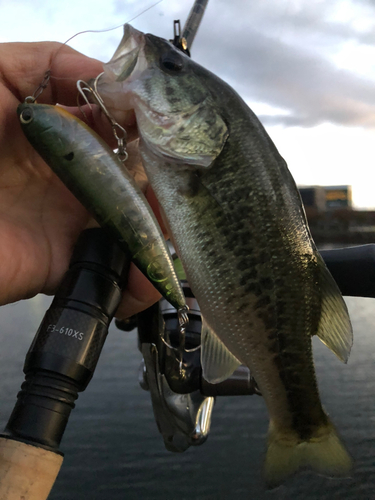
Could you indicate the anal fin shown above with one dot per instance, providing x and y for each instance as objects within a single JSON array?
[
  {"x": 335, "y": 329},
  {"x": 218, "y": 363}
]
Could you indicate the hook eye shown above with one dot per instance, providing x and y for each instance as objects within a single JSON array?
[{"x": 27, "y": 115}]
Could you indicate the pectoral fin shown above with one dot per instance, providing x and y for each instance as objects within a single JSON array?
[
  {"x": 335, "y": 329},
  {"x": 218, "y": 363}
]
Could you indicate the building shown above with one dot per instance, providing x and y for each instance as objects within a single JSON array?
[
  {"x": 326, "y": 198},
  {"x": 338, "y": 197}
]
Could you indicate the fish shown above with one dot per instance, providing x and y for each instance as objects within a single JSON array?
[
  {"x": 95, "y": 175},
  {"x": 237, "y": 222}
]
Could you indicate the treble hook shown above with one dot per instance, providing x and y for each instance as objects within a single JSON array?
[
  {"x": 83, "y": 87},
  {"x": 183, "y": 320}
]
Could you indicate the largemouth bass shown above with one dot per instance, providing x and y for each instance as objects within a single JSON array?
[
  {"x": 95, "y": 175},
  {"x": 238, "y": 225}
]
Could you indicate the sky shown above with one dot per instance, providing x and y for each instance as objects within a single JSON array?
[{"x": 305, "y": 67}]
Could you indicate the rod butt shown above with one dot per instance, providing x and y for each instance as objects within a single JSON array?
[{"x": 20, "y": 465}]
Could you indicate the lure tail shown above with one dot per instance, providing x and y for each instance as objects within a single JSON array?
[{"x": 324, "y": 453}]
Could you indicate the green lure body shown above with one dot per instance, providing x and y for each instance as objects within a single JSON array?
[{"x": 98, "y": 179}]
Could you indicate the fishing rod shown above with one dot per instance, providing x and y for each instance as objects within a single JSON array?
[
  {"x": 59, "y": 364},
  {"x": 62, "y": 358}
]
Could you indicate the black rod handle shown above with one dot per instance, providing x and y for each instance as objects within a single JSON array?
[
  {"x": 64, "y": 353},
  {"x": 353, "y": 269}
]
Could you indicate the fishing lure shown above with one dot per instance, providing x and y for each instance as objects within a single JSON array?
[{"x": 96, "y": 176}]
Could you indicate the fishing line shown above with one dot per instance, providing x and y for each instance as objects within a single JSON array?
[
  {"x": 114, "y": 28},
  {"x": 48, "y": 73}
]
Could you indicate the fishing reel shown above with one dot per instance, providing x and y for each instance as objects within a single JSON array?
[{"x": 182, "y": 399}]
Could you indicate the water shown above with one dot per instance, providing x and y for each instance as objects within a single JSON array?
[{"x": 113, "y": 449}]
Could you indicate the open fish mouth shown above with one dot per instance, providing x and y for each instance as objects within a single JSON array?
[
  {"x": 126, "y": 61},
  {"x": 164, "y": 123},
  {"x": 126, "y": 66}
]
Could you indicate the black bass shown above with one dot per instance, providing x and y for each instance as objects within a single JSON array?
[
  {"x": 237, "y": 222},
  {"x": 96, "y": 176}
]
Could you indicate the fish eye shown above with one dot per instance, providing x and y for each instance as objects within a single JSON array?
[
  {"x": 172, "y": 61},
  {"x": 27, "y": 115}
]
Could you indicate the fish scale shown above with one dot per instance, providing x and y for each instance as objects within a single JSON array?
[
  {"x": 237, "y": 222},
  {"x": 220, "y": 270}
]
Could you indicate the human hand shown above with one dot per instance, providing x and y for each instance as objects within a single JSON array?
[{"x": 40, "y": 220}]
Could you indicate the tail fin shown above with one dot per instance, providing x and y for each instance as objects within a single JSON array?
[{"x": 325, "y": 454}]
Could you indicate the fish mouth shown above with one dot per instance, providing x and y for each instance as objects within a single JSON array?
[
  {"x": 126, "y": 57},
  {"x": 126, "y": 65}
]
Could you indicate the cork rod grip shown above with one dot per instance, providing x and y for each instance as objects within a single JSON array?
[{"x": 26, "y": 472}]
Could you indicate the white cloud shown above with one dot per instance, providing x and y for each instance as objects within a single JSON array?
[
  {"x": 330, "y": 155},
  {"x": 307, "y": 66}
]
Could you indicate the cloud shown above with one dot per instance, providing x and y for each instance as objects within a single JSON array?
[
  {"x": 285, "y": 54},
  {"x": 314, "y": 60}
]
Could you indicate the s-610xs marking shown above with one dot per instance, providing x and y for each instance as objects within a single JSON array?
[
  {"x": 95, "y": 175},
  {"x": 238, "y": 225},
  {"x": 65, "y": 330}
]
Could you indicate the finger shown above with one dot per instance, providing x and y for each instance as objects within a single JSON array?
[
  {"x": 23, "y": 66},
  {"x": 138, "y": 295}
]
